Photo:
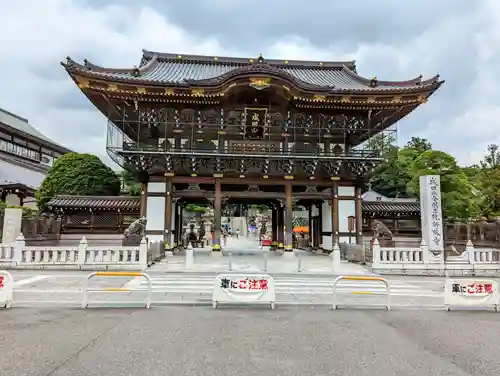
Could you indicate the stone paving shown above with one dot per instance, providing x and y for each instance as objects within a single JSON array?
[
  {"x": 291, "y": 341},
  {"x": 245, "y": 255}
]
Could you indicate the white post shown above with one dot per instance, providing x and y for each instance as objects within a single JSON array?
[
  {"x": 336, "y": 258},
  {"x": 17, "y": 248},
  {"x": 189, "y": 257},
  {"x": 471, "y": 252},
  {"x": 82, "y": 251},
  {"x": 143, "y": 253},
  {"x": 425, "y": 252},
  {"x": 375, "y": 253}
]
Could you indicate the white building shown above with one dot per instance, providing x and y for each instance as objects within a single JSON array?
[{"x": 26, "y": 155}]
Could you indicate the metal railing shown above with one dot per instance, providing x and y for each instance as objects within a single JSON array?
[
  {"x": 293, "y": 154},
  {"x": 361, "y": 278},
  {"x": 86, "y": 288}
]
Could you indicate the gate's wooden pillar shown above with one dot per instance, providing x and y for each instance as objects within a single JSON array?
[
  {"x": 217, "y": 215},
  {"x": 176, "y": 224},
  {"x": 320, "y": 225},
  {"x": 180, "y": 222},
  {"x": 144, "y": 199},
  {"x": 309, "y": 224},
  {"x": 168, "y": 215},
  {"x": 359, "y": 217},
  {"x": 335, "y": 213},
  {"x": 274, "y": 226},
  {"x": 279, "y": 228},
  {"x": 289, "y": 217}
]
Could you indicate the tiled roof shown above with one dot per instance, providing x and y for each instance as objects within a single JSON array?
[
  {"x": 22, "y": 125},
  {"x": 12, "y": 171},
  {"x": 95, "y": 202},
  {"x": 162, "y": 68},
  {"x": 389, "y": 208}
]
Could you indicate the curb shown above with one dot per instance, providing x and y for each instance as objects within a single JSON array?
[{"x": 292, "y": 274}]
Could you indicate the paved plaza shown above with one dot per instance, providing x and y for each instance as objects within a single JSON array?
[
  {"x": 247, "y": 341},
  {"x": 246, "y": 255}
]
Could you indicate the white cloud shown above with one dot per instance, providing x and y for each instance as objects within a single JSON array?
[{"x": 37, "y": 35}]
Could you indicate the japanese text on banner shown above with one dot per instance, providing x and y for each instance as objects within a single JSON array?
[
  {"x": 244, "y": 284},
  {"x": 472, "y": 289}
]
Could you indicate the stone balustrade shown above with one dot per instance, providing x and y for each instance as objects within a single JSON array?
[
  {"x": 419, "y": 260},
  {"x": 18, "y": 256}
]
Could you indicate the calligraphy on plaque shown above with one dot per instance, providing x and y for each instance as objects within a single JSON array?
[
  {"x": 432, "y": 218},
  {"x": 255, "y": 122},
  {"x": 435, "y": 211}
]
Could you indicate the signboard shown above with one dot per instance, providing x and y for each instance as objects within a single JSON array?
[
  {"x": 6, "y": 289},
  {"x": 255, "y": 122},
  {"x": 430, "y": 212},
  {"x": 241, "y": 288},
  {"x": 471, "y": 293}
]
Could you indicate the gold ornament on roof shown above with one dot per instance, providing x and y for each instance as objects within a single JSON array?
[{"x": 259, "y": 83}]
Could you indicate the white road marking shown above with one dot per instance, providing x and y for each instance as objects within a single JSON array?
[{"x": 27, "y": 281}]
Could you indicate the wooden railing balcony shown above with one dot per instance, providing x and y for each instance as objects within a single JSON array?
[{"x": 237, "y": 152}]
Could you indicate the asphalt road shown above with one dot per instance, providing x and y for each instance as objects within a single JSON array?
[{"x": 247, "y": 341}]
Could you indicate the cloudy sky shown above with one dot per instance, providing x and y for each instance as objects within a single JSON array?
[{"x": 390, "y": 39}]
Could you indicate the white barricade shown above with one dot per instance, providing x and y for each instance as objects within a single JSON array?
[
  {"x": 244, "y": 288},
  {"x": 466, "y": 292},
  {"x": 6, "y": 289},
  {"x": 361, "y": 278},
  {"x": 86, "y": 289}
]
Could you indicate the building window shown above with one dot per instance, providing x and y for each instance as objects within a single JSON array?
[{"x": 19, "y": 150}]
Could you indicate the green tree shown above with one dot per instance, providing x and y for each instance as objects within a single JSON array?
[
  {"x": 419, "y": 144},
  {"x": 492, "y": 157},
  {"x": 382, "y": 143},
  {"x": 77, "y": 174},
  {"x": 27, "y": 212},
  {"x": 459, "y": 197},
  {"x": 392, "y": 176},
  {"x": 196, "y": 208},
  {"x": 487, "y": 181},
  {"x": 131, "y": 183}
]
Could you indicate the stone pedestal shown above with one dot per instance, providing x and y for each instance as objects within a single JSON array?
[
  {"x": 11, "y": 225},
  {"x": 131, "y": 240}
]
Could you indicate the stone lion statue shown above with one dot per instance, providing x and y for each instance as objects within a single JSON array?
[
  {"x": 380, "y": 230},
  {"x": 138, "y": 227}
]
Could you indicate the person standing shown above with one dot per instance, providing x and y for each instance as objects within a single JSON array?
[{"x": 237, "y": 233}]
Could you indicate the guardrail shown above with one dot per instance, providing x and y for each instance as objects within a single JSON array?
[
  {"x": 86, "y": 289},
  {"x": 361, "y": 278},
  {"x": 6, "y": 289}
]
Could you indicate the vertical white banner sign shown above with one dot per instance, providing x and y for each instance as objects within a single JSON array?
[{"x": 430, "y": 212}]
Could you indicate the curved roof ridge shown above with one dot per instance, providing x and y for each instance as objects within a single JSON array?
[
  {"x": 216, "y": 59},
  {"x": 70, "y": 63},
  {"x": 432, "y": 80},
  {"x": 374, "y": 82},
  {"x": 257, "y": 68},
  {"x": 89, "y": 66},
  {"x": 98, "y": 68}
]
